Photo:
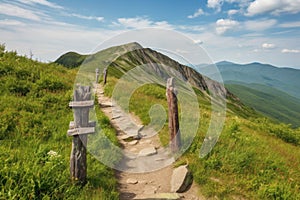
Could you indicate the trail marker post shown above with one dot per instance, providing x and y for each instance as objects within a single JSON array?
[
  {"x": 104, "y": 75},
  {"x": 175, "y": 138},
  {"x": 78, "y": 129},
  {"x": 97, "y": 75}
]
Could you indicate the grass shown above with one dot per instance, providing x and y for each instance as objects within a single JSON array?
[
  {"x": 269, "y": 101},
  {"x": 35, "y": 150}
]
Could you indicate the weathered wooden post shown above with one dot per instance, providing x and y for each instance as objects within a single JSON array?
[
  {"x": 104, "y": 75},
  {"x": 79, "y": 130},
  {"x": 97, "y": 75},
  {"x": 174, "y": 130}
]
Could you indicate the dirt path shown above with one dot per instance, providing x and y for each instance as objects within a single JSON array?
[{"x": 146, "y": 169}]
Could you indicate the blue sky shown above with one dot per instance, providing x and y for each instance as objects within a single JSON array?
[{"x": 241, "y": 31}]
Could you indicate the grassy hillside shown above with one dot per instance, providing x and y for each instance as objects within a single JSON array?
[
  {"x": 269, "y": 101},
  {"x": 273, "y": 91},
  {"x": 253, "y": 159},
  {"x": 284, "y": 79},
  {"x": 34, "y": 118},
  {"x": 71, "y": 59}
]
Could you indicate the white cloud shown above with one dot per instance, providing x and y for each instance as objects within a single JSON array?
[
  {"x": 139, "y": 22},
  {"x": 41, "y": 2},
  {"x": 16, "y": 11},
  {"x": 223, "y": 25},
  {"x": 191, "y": 28},
  {"x": 197, "y": 13},
  {"x": 9, "y": 22},
  {"x": 290, "y": 51},
  {"x": 268, "y": 46},
  {"x": 163, "y": 24},
  {"x": 290, "y": 24},
  {"x": 259, "y": 25},
  {"x": 198, "y": 42},
  {"x": 215, "y": 4},
  {"x": 100, "y": 19},
  {"x": 134, "y": 22},
  {"x": 48, "y": 40},
  {"x": 274, "y": 7},
  {"x": 232, "y": 12}
]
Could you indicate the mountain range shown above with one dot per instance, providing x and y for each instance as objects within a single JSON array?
[
  {"x": 270, "y": 90},
  {"x": 273, "y": 91}
]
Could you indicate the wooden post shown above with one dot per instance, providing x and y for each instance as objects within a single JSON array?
[
  {"x": 175, "y": 139},
  {"x": 79, "y": 130},
  {"x": 104, "y": 75},
  {"x": 97, "y": 75}
]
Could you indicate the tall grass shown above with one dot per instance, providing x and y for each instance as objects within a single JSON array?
[{"x": 35, "y": 150}]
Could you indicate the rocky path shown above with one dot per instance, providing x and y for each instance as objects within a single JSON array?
[{"x": 146, "y": 170}]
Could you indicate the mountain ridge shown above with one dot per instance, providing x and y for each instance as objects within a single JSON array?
[
  {"x": 140, "y": 55},
  {"x": 284, "y": 80},
  {"x": 237, "y": 73}
]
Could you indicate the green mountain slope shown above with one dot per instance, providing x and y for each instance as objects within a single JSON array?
[
  {"x": 71, "y": 59},
  {"x": 284, "y": 79},
  {"x": 34, "y": 118},
  {"x": 254, "y": 157},
  {"x": 269, "y": 101},
  {"x": 265, "y": 81}
]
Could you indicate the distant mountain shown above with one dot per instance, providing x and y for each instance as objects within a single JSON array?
[
  {"x": 120, "y": 59},
  {"x": 273, "y": 91},
  {"x": 71, "y": 59},
  {"x": 270, "y": 101},
  {"x": 284, "y": 79}
]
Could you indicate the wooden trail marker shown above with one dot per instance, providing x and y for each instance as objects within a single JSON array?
[
  {"x": 104, "y": 75},
  {"x": 97, "y": 75},
  {"x": 175, "y": 139},
  {"x": 78, "y": 129}
]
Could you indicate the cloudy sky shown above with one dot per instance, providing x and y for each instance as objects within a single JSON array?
[{"x": 241, "y": 31}]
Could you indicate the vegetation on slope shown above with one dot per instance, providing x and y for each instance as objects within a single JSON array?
[
  {"x": 34, "y": 118},
  {"x": 253, "y": 159},
  {"x": 71, "y": 60},
  {"x": 269, "y": 101},
  {"x": 272, "y": 91}
]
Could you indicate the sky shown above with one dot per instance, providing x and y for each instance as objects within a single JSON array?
[{"x": 240, "y": 31}]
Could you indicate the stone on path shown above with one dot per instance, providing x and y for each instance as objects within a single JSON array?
[
  {"x": 106, "y": 104},
  {"x": 132, "y": 181},
  {"x": 125, "y": 137},
  {"x": 181, "y": 179},
  {"x": 147, "y": 152},
  {"x": 116, "y": 117},
  {"x": 133, "y": 142},
  {"x": 158, "y": 196},
  {"x": 150, "y": 190},
  {"x": 146, "y": 142},
  {"x": 133, "y": 149}
]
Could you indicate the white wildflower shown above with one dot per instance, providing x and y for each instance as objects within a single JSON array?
[{"x": 52, "y": 153}]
